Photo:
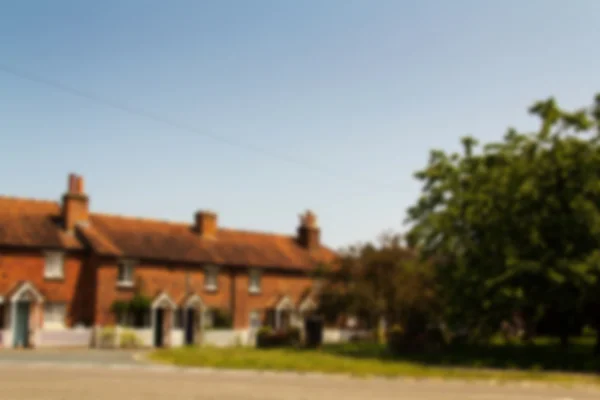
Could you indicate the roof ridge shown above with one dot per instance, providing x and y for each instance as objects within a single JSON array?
[
  {"x": 183, "y": 224},
  {"x": 252, "y": 232},
  {"x": 28, "y": 199},
  {"x": 138, "y": 218}
]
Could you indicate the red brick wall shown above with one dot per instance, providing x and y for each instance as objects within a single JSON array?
[
  {"x": 90, "y": 287},
  {"x": 157, "y": 278},
  {"x": 76, "y": 289},
  {"x": 273, "y": 285},
  {"x": 172, "y": 279}
]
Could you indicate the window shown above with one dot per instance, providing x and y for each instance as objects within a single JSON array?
[
  {"x": 210, "y": 277},
  {"x": 54, "y": 265},
  {"x": 125, "y": 277},
  {"x": 255, "y": 322},
  {"x": 254, "y": 286},
  {"x": 54, "y": 315}
]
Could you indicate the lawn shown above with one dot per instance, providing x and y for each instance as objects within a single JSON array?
[{"x": 502, "y": 362}]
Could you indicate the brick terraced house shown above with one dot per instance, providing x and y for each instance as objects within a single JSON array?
[{"x": 64, "y": 271}]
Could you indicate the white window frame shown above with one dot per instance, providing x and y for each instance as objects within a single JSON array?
[
  {"x": 54, "y": 267},
  {"x": 58, "y": 323},
  {"x": 128, "y": 265},
  {"x": 211, "y": 278},
  {"x": 254, "y": 280},
  {"x": 255, "y": 320}
]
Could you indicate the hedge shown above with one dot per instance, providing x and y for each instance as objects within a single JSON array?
[{"x": 269, "y": 338}]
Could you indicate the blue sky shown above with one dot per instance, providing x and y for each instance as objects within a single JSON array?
[{"x": 357, "y": 91}]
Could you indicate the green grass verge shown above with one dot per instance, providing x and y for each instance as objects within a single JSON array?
[{"x": 352, "y": 359}]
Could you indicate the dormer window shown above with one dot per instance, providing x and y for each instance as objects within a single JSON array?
[
  {"x": 125, "y": 273},
  {"x": 54, "y": 268},
  {"x": 211, "y": 273}
]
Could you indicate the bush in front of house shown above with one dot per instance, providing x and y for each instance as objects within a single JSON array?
[
  {"x": 401, "y": 341},
  {"x": 129, "y": 340},
  {"x": 120, "y": 308},
  {"x": 107, "y": 337},
  {"x": 397, "y": 339},
  {"x": 269, "y": 338},
  {"x": 221, "y": 319}
]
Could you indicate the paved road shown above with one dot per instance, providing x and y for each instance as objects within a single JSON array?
[
  {"x": 68, "y": 356},
  {"x": 30, "y": 381},
  {"x": 116, "y": 375}
]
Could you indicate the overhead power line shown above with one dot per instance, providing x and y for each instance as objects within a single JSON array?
[{"x": 94, "y": 97}]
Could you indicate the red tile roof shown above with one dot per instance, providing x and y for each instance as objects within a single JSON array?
[
  {"x": 26, "y": 222},
  {"x": 37, "y": 223}
]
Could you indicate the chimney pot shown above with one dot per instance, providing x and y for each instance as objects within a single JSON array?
[
  {"x": 79, "y": 185},
  {"x": 72, "y": 183}
]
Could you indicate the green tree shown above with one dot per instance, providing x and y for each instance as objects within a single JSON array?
[
  {"x": 515, "y": 226},
  {"x": 381, "y": 281}
]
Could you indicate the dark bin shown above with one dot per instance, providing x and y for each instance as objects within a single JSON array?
[{"x": 313, "y": 329}]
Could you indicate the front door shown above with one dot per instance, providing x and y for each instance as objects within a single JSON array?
[
  {"x": 159, "y": 314},
  {"x": 21, "y": 338},
  {"x": 190, "y": 326}
]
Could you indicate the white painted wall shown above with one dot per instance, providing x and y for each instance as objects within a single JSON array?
[
  {"x": 6, "y": 339},
  {"x": 77, "y": 337},
  {"x": 177, "y": 337},
  {"x": 82, "y": 337},
  {"x": 224, "y": 337},
  {"x": 144, "y": 335},
  {"x": 340, "y": 335}
]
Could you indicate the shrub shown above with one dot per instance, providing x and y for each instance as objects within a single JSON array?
[
  {"x": 435, "y": 339},
  {"x": 222, "y": 319},
  {"x": 396, "y": 339},
  {"x": 120, "y": 309},
  {"x": 129, "y": 340},
  {"x": 139, "y": 303},
  {"x": 268, "y": 338},
  {"x": 294, "y": 335},
  {"x": 107, "y": 337},
  {"x": 263, "y": 337},
  {"x": 400, "y": 340}
]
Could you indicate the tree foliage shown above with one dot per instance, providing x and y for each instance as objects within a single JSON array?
[
  {"x": 515, "y": 224},
  {"x": 386, "y": 280}
]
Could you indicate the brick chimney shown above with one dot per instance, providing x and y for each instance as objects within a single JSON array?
[
  {"x": 309, "y": 234},
  {"x": 206, "y": 224},
  {"x": 75, "y": 204}
]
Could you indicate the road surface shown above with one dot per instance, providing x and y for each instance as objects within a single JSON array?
[{"x": 71, "y": 381}]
